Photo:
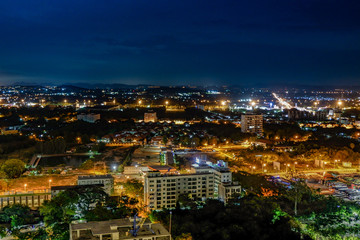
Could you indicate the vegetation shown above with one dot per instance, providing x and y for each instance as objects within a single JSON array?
[
  {"x": 265, "y": 210},
  {"x": 90, "y": 203},
  {"x": 13, "y": 168}
]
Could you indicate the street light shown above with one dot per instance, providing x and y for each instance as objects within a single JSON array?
[
  {"x": 264, "y": 165},
  {"x": 139, "y": 102},
  {"x": 25, "y": 185},
  {"x": 339, "y": 103},
  {"x": 50, "y": 183}
]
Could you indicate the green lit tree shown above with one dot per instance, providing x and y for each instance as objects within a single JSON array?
[{"x": 13, "y": 168}]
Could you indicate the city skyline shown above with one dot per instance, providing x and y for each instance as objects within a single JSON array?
[{"x": 179, "y": 43}]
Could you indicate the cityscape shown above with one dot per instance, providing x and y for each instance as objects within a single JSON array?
[{"x": 131, "y": 120}]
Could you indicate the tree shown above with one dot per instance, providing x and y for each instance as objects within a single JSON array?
[
  {"x": 16, "y": 214},
  {"x": 298, "y": 189},
  {"x": 213, "y": 141},
  {"x": 13, "y": 168},
  {"x": 88, "y": 164},
  {"x": 3, "y": 232},
  {"x": 184, "y": 236},
  {"x": 133, "y": 187},
  {"x": 68, "y": 206},
  {"x": 165, "y": 140}
]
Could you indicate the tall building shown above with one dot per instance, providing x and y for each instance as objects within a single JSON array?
[
  {"x": 150, "y": 117},
  {"x": 251, "y": 123},
  {"x": 224, "y": 187},
  {"x": 163, "y": 190}
]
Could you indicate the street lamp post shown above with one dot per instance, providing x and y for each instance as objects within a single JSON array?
[
  {"x": 50, "y": 183},
  {"x": 287, "y": 166},
  {"x": 25, "y": 185},
  {"x": 170, "y": 222}
]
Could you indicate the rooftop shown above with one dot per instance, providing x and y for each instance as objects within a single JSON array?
[
  {"x": 85, "y": 177},
  {"x": 121, "y": 226},
  {"x": 71, "y": 187}
]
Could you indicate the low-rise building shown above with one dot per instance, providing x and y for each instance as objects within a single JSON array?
[
  {"x": 119, "y": 229},
  {"x": 91, "y": 117},
  {"x": 55, "y": 190},
  {"x": 132, "y": 170},
  {"x": 32, "y": 199},
  {"x": 150, "y": 117},
  {"x": 106, "y": 180}
]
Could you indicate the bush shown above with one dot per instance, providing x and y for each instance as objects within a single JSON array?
[{"x": 13, "y": 168}]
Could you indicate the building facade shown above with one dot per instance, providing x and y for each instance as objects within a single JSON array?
[
  {"x": 228, "y": 190},
  {"x": 163, "y": 190},
  {"x": 119, "y": 229},
  {"x": 150, "y": 117},
  {"x": 91, "y": 117},
  {"x": 224, "y": 187},
  {"x": 251, "y": 123},
  {"x": 106, "y": 180},
  {"x": 30, "y": 199}
]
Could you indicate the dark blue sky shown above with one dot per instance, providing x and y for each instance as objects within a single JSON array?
[{"x": 180, "y": 42}]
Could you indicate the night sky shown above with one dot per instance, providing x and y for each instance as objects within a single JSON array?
[{"x": 180, "y": 42}]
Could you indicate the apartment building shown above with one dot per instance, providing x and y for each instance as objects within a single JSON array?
[
  {"x": 224, "y": 187},
  {"x": 163, "y": 190},
  {"x": 251, "y": 123},
  {"x": 228, "y": 190}
]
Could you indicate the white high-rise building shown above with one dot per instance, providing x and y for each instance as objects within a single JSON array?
[{"x": 163, "y": 190}]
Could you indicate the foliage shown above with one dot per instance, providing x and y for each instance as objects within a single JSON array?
[
  {"x": 134, "y": 187},
  {"x": 68, "y": 206},
  {"x": 88, "y": 164},
  {"x": 16, "y": 214},
  {"x": 90, "y": 203},
  {"x": 13, "y": 168},
  {"x": 184, "y": 236},
  {"x": 250, "y": 218},
  {"x": 11, "y": 143},
  {"x": 57, "y": 145}
]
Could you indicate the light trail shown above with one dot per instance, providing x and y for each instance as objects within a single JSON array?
[{"x": 287, "y": 105}]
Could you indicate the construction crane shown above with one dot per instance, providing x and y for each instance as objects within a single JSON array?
[{"x": 136, "y": 228}]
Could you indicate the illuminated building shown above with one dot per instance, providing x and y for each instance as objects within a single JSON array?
[
  {"x": 150, "y": 117},
  {"x": 91, "y": 118},
  {"x": 224, "y": 188},
  {"x": 118, "y": 229},
  {"x": 106, "y": 180},
  {"x": 251, "y": 123},
  {"x": 163, "y": 190}
]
